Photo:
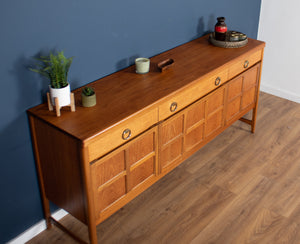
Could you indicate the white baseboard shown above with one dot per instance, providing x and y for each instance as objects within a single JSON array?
[
  {"x": 280, "y": 93},
  {"x": 36, "y": 229}
]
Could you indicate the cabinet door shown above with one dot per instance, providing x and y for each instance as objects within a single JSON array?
[
  {"x": 186, "y": 130},
  {"x": 171, "y": 142},
  {"x": 242, "y": 93},
  {"x": 194, "y": 126},
  {"x": 204, "y": 118},
  {"x": 214, "y": 112},
  {"x": 124, "y": 170}
]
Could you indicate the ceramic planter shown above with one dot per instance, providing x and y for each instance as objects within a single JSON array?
[
  {"x": 88, "y": 101},
  {"x": 63, "y": 95},
  {"x": 142, "y": 65}
]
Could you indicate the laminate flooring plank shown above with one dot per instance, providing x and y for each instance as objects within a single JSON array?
[
  {"x": 261, "y": 228},
  {"x": 287, "y": 161},
  {"x": 287, "y": 230},
  {"x": 284, "y": 197},
  {"x": 195, "y": 218},
  {"x": 297, "y": 114},
  {"x": 288, "y": 234},
  {"x": 233, "y": 219},
  {"x": 239, "y": 171},
  {"x": 165, "y": 229},
  {"x": 295, "y": 216},
  {"x": 268, "y": 227}
]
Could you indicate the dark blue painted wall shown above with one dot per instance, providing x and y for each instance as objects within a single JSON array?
[{"x": 104, "y": 36}]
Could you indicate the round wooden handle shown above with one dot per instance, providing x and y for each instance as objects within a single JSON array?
[
  {"x": 126, "y": 134},
  {"x": 173, "y": 107},
  {"x": 217, "y": 81}
]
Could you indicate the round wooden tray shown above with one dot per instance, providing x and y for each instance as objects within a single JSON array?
[{"x": 227, "y": 44}]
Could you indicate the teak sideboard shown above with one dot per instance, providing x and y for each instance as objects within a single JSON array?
[{"x": 93, "y": 161}]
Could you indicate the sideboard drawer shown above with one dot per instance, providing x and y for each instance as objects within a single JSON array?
[
  {"x": 121, "y": 133},
  {"x": 200, "y": 88},
  {"x": 243, "y": 63}
]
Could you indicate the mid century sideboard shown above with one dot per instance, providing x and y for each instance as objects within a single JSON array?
[{"x": 93, "y": 161}]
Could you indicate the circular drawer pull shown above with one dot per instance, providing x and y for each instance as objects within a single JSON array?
[
  {"x": 218, "y": 81},
  {"x": 126, "y": 134},
  {"x": 173, "y": 107},
  {"x": 246, "y": 64}
]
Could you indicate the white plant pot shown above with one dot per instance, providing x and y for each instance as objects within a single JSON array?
[{"x": 63, "y": 95}]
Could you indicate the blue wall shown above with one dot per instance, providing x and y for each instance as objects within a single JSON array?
[{"x": 104, "y": 36}]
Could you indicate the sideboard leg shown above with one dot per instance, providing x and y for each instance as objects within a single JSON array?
[
  {"x": 254, "y": 111},
  {"x": 47, "y": 213},
  {"x": 89, "y": 203},
  {"x": 251, "y": 122},
  {"x": 93, "y": 234},
  {"x": 254, "y": 114},
  {"x": 45, "y": 201}
]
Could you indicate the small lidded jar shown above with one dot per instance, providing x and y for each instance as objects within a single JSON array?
[
  {"x": 234, "y": 37},
  {"x": 220, "y": 29}
]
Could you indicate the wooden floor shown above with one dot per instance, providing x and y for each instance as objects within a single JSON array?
[{"x": 239, "y": 188}]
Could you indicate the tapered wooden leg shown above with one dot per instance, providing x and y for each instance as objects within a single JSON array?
[
  {"x": 50, "y": 107},
  {"x": 47, "y": 213},
  {"x": 57, "y": 108},
  {"x": 72, "y": 105},
  {"x": 45, "y": 201},
  {"x": 254, "y": 114},
  {"x": 93, "y": 234},
  {"x": 89, "y": 203}
]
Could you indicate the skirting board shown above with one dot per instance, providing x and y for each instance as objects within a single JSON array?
[
  {"x": 36, "y": 229},
  {"x": 280, "y": 93}
]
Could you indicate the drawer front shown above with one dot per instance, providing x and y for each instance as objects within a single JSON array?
[
  {"x": 184, "y": 98},
  {"x": 244, "y": 63},
  {"x": 121, "y": 134}
]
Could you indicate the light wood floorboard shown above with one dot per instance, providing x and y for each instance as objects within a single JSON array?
[{"x": 239, "y": 188}]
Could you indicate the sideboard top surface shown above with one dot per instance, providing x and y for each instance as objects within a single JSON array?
[{"x": 125, "y": 93}]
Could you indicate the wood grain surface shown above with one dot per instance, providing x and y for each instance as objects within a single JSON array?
[{"x": 124, "y": 94}]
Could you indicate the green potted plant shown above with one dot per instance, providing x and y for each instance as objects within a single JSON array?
[
  {"x": 88, "y": 97},
  {"x": 56, "y": 67}
]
